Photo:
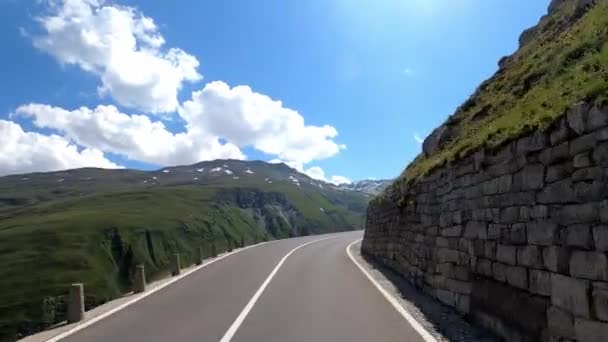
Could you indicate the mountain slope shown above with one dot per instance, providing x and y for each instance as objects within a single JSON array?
[
  {"x": 94, "y": 225},
  {"x": 561, "y": 61},
  {"x": 368, "y": 186}
]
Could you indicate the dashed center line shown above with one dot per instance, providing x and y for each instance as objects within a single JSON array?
[{"x": 241, "y": 317}]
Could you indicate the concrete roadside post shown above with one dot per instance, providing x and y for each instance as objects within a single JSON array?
[
  {"x": 76, "y": 303},
  {"x": 177, "y": 268},
  {"x": 139, "y": 284},
  {"x": 213, "y": 249},
  {"x": 199, "y": 257}
]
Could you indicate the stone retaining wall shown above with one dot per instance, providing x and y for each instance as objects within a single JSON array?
[{"x": 516, "y": 238}]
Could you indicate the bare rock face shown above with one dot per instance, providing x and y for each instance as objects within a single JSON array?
[
  {"x": 437, "y": 139},
  {"x": 555, "y": 4}
]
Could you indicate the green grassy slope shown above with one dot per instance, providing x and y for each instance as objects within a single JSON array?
[
  {"x": 96, "y": 236},
  {"x": 561, "y": 61}
]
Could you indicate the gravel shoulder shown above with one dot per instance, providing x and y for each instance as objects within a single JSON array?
[{"x": 441, "y": 321}]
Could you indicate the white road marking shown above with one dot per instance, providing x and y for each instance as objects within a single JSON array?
[
  {"x": 426, "y": 336},
  {"x": 144, "y": 295},
  {"x": 241, "y": 317}
]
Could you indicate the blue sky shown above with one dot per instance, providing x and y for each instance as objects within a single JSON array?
[{"x": 356, "y": 80}]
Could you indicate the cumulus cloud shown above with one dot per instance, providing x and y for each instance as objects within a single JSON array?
[
  {"x": 248, "y": 118},
  {"x": 22, "y": 152},
  {"x": 238, "y": 116},
  {"x": 315, "y": 172},
  {"x": 134, "y": 136},
  {"x": 418, "y": 138},
  {"x": 123, "y": 47}
]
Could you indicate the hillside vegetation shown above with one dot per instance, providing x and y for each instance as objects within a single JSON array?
[
  {"x": 561, "y": 61},
  {"x": 94, "y": 226}
]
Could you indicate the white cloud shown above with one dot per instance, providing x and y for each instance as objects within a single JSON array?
[
  {"x": 247, "y": 118},
  {"x": 134, "y": 136},
  {"x": 418, "y": 138},
  {"x": 317, "y": 173},
  {"x": 123, "y": 47},
  {"x": 22, "y": 152}
]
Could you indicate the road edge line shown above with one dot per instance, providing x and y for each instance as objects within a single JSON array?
[
  {"x": 426, "y": 336},
  {"x": 110, "y": 312},
  {"x": 243, "y": 314}
]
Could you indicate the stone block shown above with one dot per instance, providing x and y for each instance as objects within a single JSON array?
[
  {"x": 597, "y": 118},
  {"x": 555, "y": 154},
  {"x": 602, "y": 134},
  {"x": 558, "y": 192},
  {"x": 599, "y": 296},
  {"x": 540, "y": 282},
  {"x": 446, "y": 297},
  {"x": 494, "y": 230},
  {"x": 518, "y": 234},
  {"x": 541, "y": 233},
  {"x": 561, "y": 133},
  {"x": 484, "y": 267},
  {"x": 506, "y": 254},
  {"x": 531, "y": 177},
  {"x": 463, "y": 303},
  {"x": 466, "y": 245},
  {"x": 524, "y": 214},
  {"x": 539, "y": 212},
  {"x": 600, "y": 237},
  {"x": 531, "y": 143},
  {"x": 529, "y": 256},
  {"x": 445, "y": 269},
  {"x": 509, "y": 215},
  {"x": 588, "y": 173},
  {"x": 504, "y": 183},
  {"x": 576, "y": 117},
  {"x": 589, "y": 265},
  {"x": 570, "y": 294},
  {"x": 454, "y": 231},
  {"x": 582, "y": 144},
  {"x": 490, "y": 187},
  {"x": 582, "y": 160},
  {"x": 590, "y": 331},
  {"x": 517, "y": 276},
  {"x": 600, "y": 154},
  {"x": 577, "y": 235},
  {"x": 441, "y": 242},
  {"x": 579, "y": 213},
  {"x": 604, "y": 211},
  {"x": 476, "y": 230},
  {"x": 457, "y": 217},
  {"x": 499, "y": 271},
  {"x": 489, "y": 249},
  {"x": 558, "y": 172},
  {"x": 447, "y": 255},
  {"x": 459, "y": 286},
  {"x": 461, "y": 273},
  {"x": 560, "y": 322},
  {"x": 556, "y": 259},
  {"x": 589, "y": 191}
]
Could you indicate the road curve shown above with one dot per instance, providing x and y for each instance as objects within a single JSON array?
[{"x": 272, "y": 292}]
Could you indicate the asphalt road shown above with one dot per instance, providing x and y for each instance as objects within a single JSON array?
[{"x": 316, "y": 294}]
